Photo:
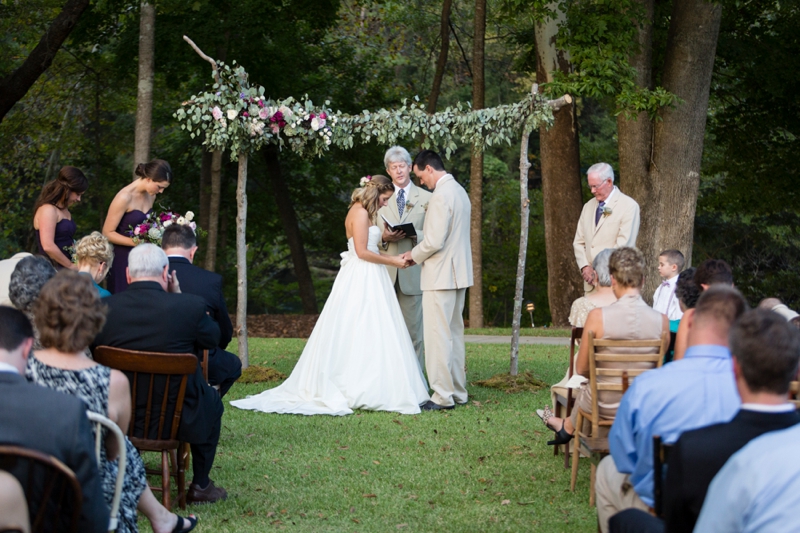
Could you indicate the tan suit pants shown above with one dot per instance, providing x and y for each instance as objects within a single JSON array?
[
  {"x": 614, "y": 493},
  {"x": 444, "y": 345},
  {"x": 411, "y": 306}
]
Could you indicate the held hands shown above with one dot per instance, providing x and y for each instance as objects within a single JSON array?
[
  {"x": 406, "y": 257},
  {"x": 587, "y": 273}
]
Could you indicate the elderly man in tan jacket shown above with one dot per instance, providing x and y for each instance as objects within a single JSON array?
[
  {"x": 446, "y": 260},
  {"x": 609, "y": 220},
  {"x": 408, "y": 204}
]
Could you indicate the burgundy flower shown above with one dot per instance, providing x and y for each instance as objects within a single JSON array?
[
  {"x": 323, "y": 116},
  {"x": 245, "y": 114}
]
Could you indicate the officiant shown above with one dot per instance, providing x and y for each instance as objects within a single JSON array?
[{"x": 407, "y": 205}]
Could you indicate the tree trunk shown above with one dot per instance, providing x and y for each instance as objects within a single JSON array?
[
  {"x": 241, "y": 261},
  {"x": 476, "y": 171},
  {"x": 525, "y": 212},
  {"x": 441, "y": 63},
  {"x": 213, "y": 210},
  {"x": 144, "y": 99},
  {"x": 561, "y": 183},
  {"x": 678, "y": 138},
  {"x": 16, "y": 85},
  {"x": 292, "y": 230}
]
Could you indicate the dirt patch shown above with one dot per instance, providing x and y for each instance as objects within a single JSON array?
[
  {"x": 522, "y": 382},
  {"x": 260, "y": 374},
  {"x": 279, "y": 326}
]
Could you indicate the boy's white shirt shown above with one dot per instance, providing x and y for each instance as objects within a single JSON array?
[{"x": 665, "y": 301}]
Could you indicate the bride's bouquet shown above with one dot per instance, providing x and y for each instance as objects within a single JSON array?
[{"x": 151, "y": 229}]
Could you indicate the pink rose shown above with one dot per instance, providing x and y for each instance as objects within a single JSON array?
[
  {"x": 216, "y": 113},
  {"x": 263, "y": 114},
  {"x": 275, "y": 128}
]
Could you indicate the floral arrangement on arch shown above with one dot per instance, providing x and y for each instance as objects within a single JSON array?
[
  {"x": 237, "y": 117},
  {"x": 151, "y": 229}
]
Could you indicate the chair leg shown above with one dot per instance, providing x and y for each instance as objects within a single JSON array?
[
  {"x": 567, "y": 454},
  {"x": 576, "y": 452},
  {"x": 181, "y": 464},
  {"x": 592, "y": 478},
  {"x": 165, "y": 496}
]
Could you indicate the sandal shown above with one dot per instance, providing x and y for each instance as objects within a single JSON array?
[
  {"x": 545, "y": 414},
  {"x": 192, "y": 519},
  {"x": 562, "y": 437}
]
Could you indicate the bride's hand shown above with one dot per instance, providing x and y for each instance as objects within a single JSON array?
[{"x": 399, "y": 262}]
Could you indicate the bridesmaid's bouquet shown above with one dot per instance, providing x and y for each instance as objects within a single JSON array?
[{"x": 152, "y": 227}]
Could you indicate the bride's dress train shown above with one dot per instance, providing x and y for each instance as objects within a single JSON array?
[{"x": 360, "y": 354}]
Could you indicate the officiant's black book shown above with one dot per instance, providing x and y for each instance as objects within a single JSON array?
[{"x": 407, "y": 228}]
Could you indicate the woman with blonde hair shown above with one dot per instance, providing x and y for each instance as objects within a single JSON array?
[
  {"x": 95, "y": 255},
  {"x": 360, "y": 354},
  {"x": 68, "y": 315},
  {"x": 52, "y": 221}
]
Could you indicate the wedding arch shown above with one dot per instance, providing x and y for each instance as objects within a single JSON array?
[{"x": 236, "y": 116}]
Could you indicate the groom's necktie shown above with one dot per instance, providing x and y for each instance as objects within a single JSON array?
[
  {"x": 599, "y": 212},
  {"x": 401, "y": 202}
]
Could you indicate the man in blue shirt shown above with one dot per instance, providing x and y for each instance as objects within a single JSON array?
[{"x": 694, "y": 392}]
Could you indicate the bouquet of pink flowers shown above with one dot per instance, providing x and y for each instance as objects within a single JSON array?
[{"x": 152, "y": 227}]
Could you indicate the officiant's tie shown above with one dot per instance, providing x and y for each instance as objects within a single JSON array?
[
  {"x": 599, "y": 212},
  {"x": 401, "y": 202}
]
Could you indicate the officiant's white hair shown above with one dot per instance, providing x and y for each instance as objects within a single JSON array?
[
  {"x": 396, "y": 154},
  {"x": 146, "y": 261},
  {"x": 604, "y": 170}
]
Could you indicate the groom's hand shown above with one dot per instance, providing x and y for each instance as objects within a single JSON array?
[{"x": 407, "y": 258}]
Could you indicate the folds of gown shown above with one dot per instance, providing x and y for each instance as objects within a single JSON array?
[{"x": 359, "y": 356}]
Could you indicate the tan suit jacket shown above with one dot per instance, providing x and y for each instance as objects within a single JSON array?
[
  {"x": 445, "y": 253},
  {"x": 620, "y": 228},
  {"x": 419, "y": 199}
]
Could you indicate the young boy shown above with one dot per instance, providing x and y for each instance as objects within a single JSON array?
[{"x": 670, "y": 264}]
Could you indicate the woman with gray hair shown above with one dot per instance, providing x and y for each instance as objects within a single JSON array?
[{"x": 27, "y": 280}]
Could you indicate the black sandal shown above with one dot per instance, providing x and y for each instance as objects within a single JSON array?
[
  {"x": 562, "y": 437},
  {"x": 192, "y": 519}
]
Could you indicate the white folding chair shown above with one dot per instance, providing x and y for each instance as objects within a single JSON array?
[{"x": 100, "y": 420}]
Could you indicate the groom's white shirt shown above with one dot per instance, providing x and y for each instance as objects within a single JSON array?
[{"x": 445, "y": 253}]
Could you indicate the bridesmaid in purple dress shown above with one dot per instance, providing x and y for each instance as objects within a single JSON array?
[
  {"x": 129, "y": 208},
  {"x": 52, "y": 221}
]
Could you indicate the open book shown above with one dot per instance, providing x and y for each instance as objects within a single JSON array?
[{"x": 407, "y": 228}]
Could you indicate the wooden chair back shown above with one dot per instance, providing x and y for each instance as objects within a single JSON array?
[
  {"x": 158, "y": 388},
  {"x": 794, "y": 393},
  {"x": 51, "y": 489},
  {"x": 660, "y": 457},
  {"x": 625, "y": 374}
]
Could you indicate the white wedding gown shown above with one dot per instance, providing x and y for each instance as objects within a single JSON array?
[{"x": 360, "y": 354}]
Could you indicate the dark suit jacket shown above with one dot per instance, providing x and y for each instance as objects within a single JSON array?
[
  {"x": 196, "y": 280},
  {"x": 699, "y": 454},
  {"x": 54, "y": 423},
  {"x": 145, "y": 317}
]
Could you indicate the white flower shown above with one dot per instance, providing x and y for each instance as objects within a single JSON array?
[
  {"x": 154, "y": 233},
  {"x": 232, "y": 114},
  {"x": 287, "y": 113},
  {"x": 181, "y": 221},
  {"x": 216, "y": 113},
  {"x": 167, "y": 224},
  {"x": 189, "y": 216},
  {"x": 315, "y": 125}
]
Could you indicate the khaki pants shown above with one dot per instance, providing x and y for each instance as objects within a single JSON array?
[
  {"x": 445, "y": 357},
  {"x": 411, "y": 306},
  {"x": 614, "y": 493}
]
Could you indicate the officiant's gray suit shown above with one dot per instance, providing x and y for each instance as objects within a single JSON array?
[
  {"x": 406, "y": 281},
  {"x": 446, "y": 259}
]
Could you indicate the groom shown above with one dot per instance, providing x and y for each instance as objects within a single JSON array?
[{"x": 446, "y": 260}]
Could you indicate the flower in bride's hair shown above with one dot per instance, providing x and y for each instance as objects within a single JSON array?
[
  {"x": 366, "y": 179},
  {"x": 189, "y": 216}
]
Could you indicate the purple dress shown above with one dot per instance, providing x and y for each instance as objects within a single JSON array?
[
  {"x": 117, "y": 280},
  {"x": 63, "y": 237}
]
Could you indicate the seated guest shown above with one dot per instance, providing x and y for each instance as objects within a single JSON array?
[
  {"x": 68, "y": 314},
  {"x": 6, "y": 268},
  {"x": 180, "y": 244},
  {"x": 758, "y": 489},
  {"x": 628, "y": 318},
  {"x": 694, "y": 392},
  {"x": 710, "y": 272},
  {"x": 766, "y": 351},
  {"x": 28, "y": 278},
  {"x": 95, "y": 256},
  {"x": 152, "y": 315},
  {"x": 48, "y": 421},
  {"x": 774, "y": 304}
]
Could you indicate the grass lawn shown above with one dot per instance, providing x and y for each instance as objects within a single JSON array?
[
  {"x": 524, "y": 332},
  {"x": 481, "y": 467}
]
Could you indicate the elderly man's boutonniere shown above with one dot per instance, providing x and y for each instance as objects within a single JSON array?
[
  {"x": 606, "y": 211},
  {"x": 425, "y": 206}
]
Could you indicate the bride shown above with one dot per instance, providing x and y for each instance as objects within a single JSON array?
[{"x": 360, "y": 354}]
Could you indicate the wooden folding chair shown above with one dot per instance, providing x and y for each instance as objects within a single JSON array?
[
  {"x": 52, "y": 491},
  {"x": 563, "y": 404},
  {"x": 592, "y": 444},
  {"x": 661, "y": 453},
  {"x": 158, "y": 386}
]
